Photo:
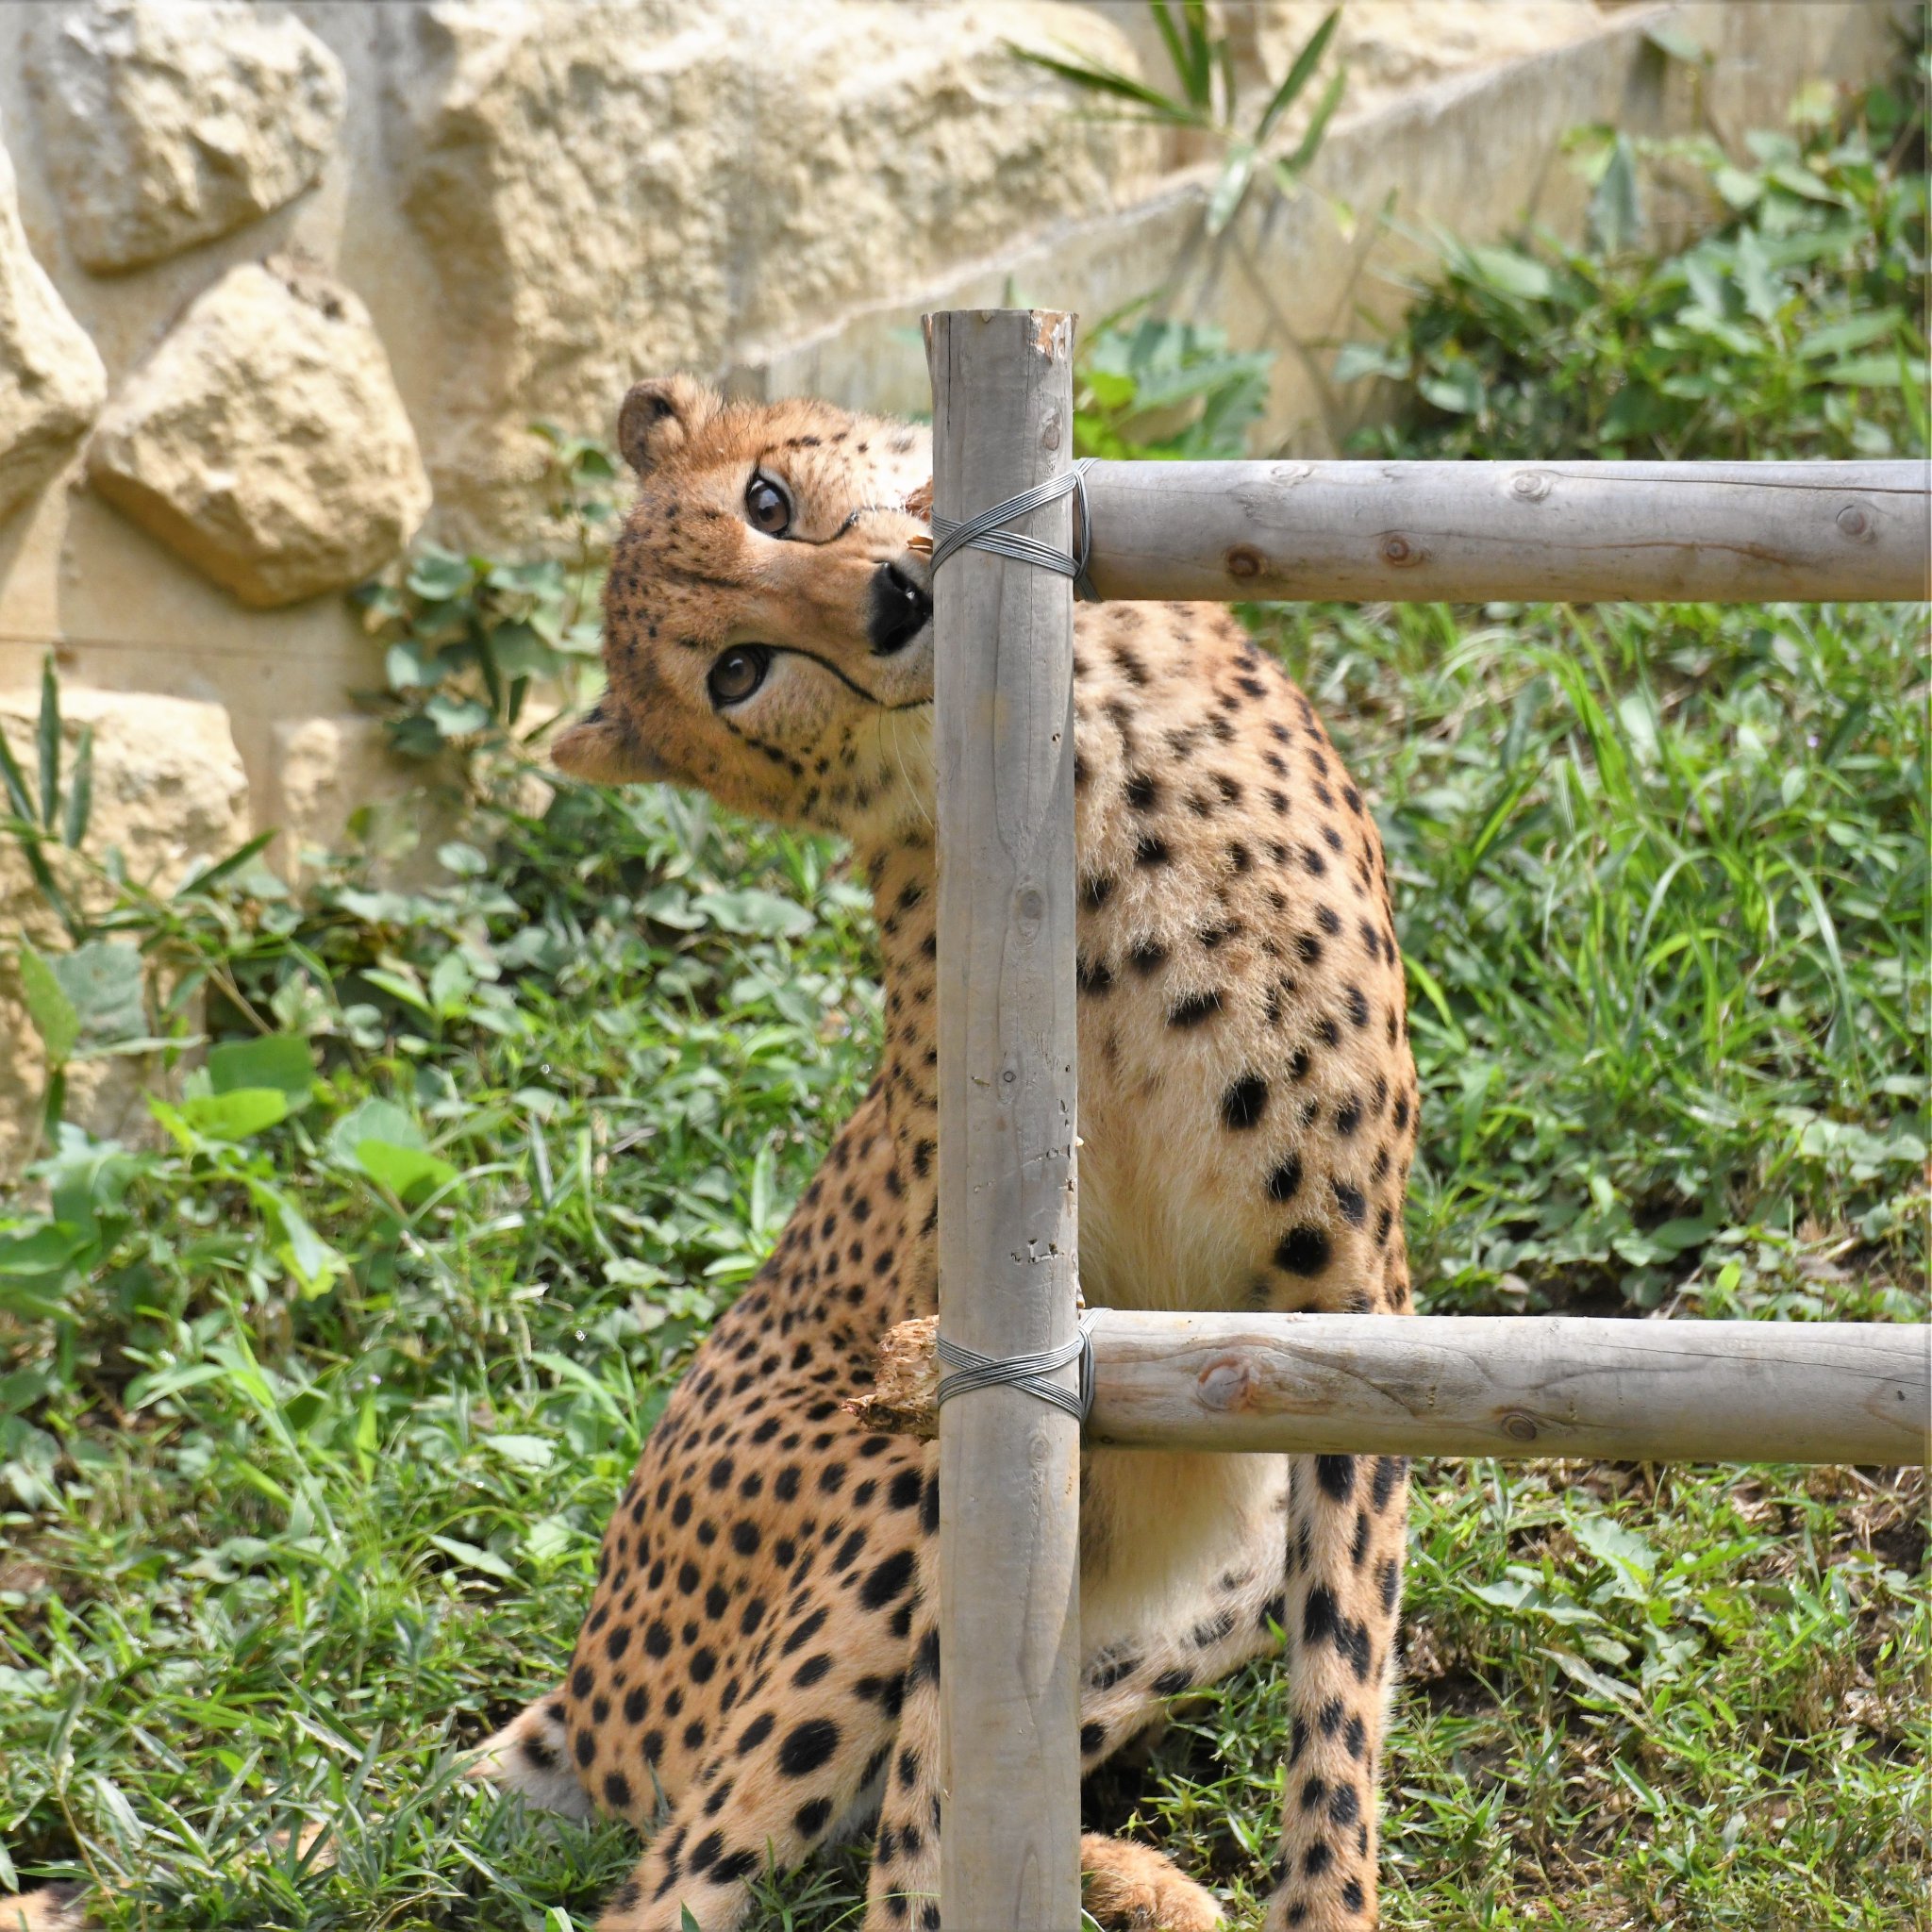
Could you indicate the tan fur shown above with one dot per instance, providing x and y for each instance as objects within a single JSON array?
[{"x": 759, "y": 1665}]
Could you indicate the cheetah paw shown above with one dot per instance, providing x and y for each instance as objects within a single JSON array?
[{"x": 1130, "y": 1887}]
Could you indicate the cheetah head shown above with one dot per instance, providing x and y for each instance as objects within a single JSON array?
[{"x": 767, "y": 615}]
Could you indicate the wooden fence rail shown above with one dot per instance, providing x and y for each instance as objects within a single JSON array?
[
  {"x": 1475, "y": 532},
  {"x": 1510, "y": 1386}
]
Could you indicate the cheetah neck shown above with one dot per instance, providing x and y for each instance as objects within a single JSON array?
[{"x": 905, "y": 904}]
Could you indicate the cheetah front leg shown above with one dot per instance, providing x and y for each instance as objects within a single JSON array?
[{"x": 1347, "y": 1525}]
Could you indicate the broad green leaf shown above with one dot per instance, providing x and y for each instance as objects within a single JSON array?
[
  {"x": 1667, "y": 36},
  {"x": 750, "y": 910},
  {"x": 527, "y": 1451},
  {"x": 103, "y": 979},
  {"x": 1514, "y": 272},
  {"x": 456, "y": 717},
  {"x": 1853, "y": 332},
  {"x": 280, "y": 1060},
  {"x": 47, "y": 1251},
  {"x": 472, "y": 1558},
  {"x": 235, "y": 1115},
  {"x": 1753, "y": 276},
  {"x": 439, "y": 575},
  {"x": 55, "y": 1016},
  {"x": 1354, "y": 361},
  {"x": 1621, "y": 1548},
  {"x": 1616, "y": 209},
  {"x": 374, "y": 1119},
  {"x": 1459, "y": 390},
  {"x": 1739, "y": 186},
  {"x": 403, "y": 1171},
  {"x": 1862, "y": 371}
]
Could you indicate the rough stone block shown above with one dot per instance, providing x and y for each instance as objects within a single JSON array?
[
  {"x": 611, "y": 187},
  {"x": 264, "y": 440},
  {"x": 52, "y": 383},
  {"x": 168, "y": 124}
]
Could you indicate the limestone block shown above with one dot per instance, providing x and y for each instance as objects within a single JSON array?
[
  {"x": 264, "y": 440},
  {"x": 608, "y": 187},
  {"x": 1390, "y": 47},
  {"x": 52, "y": 383},
  {"x": 168, "y": 789},
  {"x": 167, "y": 125},
  {"x": 325, "y": 769}
]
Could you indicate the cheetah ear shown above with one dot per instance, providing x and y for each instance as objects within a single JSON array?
[
  {"x": 658, "y": 416},
  {"x": 919, "y": 503},
  {"x": 599, "y": 750}
]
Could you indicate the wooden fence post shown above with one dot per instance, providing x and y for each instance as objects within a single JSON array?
[{"x": 1009, "y": 1612}]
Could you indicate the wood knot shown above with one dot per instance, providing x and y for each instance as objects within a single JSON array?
[
  {"x": 1398, "y": 551},
  {"x": 1244, "y": 562},
  {"x": 1518, "y": 1425},
  {"x": 1532, "y": 486},
  {"x": 1226, "y": 1384},
  {"x": 1856, "y": 522}
]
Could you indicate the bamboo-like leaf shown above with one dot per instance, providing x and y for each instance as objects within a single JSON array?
[
  {"x": 1237, "y": 171},
  {"x": 1311, "y": 137},
  {"x": 49, "y": 745},
  {"x": 18, "y": 795},
  {"x": 1170, "y": 34},
  {"x": 1297, "y": 76},
  {"x": 80, "y": 792},
  {"x": 1199, "y": 75},
  {"x": 201, "y": 881},
  {"x": 1097, "y": 79}
]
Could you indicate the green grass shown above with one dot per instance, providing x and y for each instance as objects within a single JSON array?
[
  {"x": 275, "y": 1550},
  {"x": 313, "y": 1404}
]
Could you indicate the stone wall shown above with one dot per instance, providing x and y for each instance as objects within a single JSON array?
[{"x": 282, "y": 285}]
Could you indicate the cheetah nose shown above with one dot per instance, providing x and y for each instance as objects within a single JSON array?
[{"x": 900, "y": 610}]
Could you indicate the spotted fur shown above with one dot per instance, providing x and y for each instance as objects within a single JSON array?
[{"x": 759, "y": 1668}]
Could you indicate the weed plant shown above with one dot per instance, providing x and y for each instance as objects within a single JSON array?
[{"x": 314, "y": 1396}]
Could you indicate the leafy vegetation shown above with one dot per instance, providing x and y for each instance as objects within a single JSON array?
[
  {"x": 314, "y": 1398},
  {"x": 1146, "y": 385},
  {"x": 1794, "y": 322},
  {"x": 1205, "y": 99}
]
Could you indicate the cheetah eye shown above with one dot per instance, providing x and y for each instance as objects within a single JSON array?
[
  {"x": 738, "y": 672},
  {"x": 766, "y": 506}
]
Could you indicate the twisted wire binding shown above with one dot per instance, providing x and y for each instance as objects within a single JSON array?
[
  {"x": 1027, "y": 1373},
  {"x": 988, "y": 531}
]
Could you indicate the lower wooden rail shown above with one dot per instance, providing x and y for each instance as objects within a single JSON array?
[{"x": 1466, "y": 1384}]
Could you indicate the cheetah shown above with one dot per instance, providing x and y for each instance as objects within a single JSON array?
[{"x": 759, "y": 1670}]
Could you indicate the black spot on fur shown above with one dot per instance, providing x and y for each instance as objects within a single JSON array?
[
  {"x": 1303, "y": 1251},
  {"x": 1243, "y": 1103},
  {"x": 1336, "y": 1474}
]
